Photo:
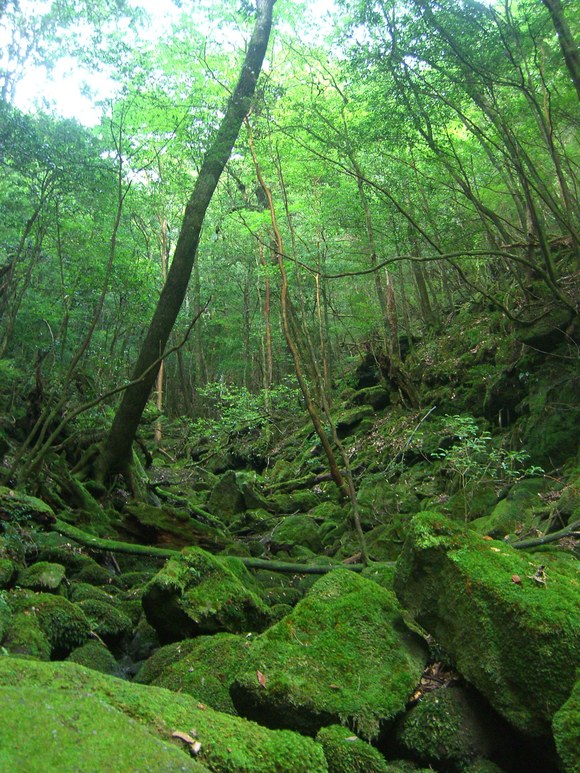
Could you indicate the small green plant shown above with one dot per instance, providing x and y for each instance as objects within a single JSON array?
[{"x": 473, "y": 458}]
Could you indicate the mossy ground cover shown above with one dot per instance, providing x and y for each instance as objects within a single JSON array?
[
  {"x": 499, "y": 615},
  {"x": 146, "y": 714},
  {"x": 341, "y": 656}
]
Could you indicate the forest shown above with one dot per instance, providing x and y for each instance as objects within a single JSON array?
[{"x": 289, "y": 467}]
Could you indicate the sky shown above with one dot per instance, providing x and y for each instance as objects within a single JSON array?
[{"x": 63, "y": 91}]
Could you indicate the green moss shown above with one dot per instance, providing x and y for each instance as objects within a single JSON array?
[
  {"x": 228, "y": 744},
  {"x": 7, "y": 572},
  {"x": 460, "y": 588},
  {"x": 296, "y": 530},
  {"x": 443, "y": 728},
  {"x": 198, "y": 593},
  {"x": 42, "y": 575},
  {"x": 79, "y": 732},
  {"x": 106, "y": 621},
  {"x": 81, "y": 591},
  {"x": 345, "y": 753},
  {"x": 5, "y": 613},
  {"x": 20, "y": 508},
  {"x": 94, "y": 655},
  {"x": 339, "y": 656},
  {"x": 566, "y": 729},
  {"x": 63, "y": 623},
  {"x": 93, "y": 573},
  {"x": 24, "y": 636},
  {"x": 134, "y": 579},
  {"x": 204, "y": 669}
]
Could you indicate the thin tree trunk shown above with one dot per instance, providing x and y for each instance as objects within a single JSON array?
[
  {"x": 116, "y": 454},
  {"x": 566, "y": 39}
]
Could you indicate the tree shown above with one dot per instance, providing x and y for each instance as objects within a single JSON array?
[{"x": 117, "y": 450}]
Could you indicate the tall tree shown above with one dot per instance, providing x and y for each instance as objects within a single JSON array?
[{"x": 117, "y": 450}]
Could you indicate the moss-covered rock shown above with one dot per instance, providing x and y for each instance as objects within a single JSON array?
[
  {"x": 124, "y": 726},
  {"x": 93, "y": 573},
  {"x": 204, "y": 668},
  {"x": 376, "y": 396},
  {"x": 81, "y": 591},
  {"x": 226, "y": 499},
  {"x": 8, "y": 570},
  {"x": 63, "y": 623},
  {"x": 94, "y": 655},
  {"x": 41, "y": 576},
  {"x": 341, "y": 656},
  {"x": 197, "y": 593},
  {"x": 108, "y": 622},
  {"x": 79, "y": 732},
  {"x": 296, "y": 530},
  {"x": 346, "y": 753},
  {"x": 24, "y": 636},
  {"x": 16, "y": 507},
  {"x": 493, "y": 610},
  {"x": 447, "y": 728},
  {"x": 566, "y": 729}
]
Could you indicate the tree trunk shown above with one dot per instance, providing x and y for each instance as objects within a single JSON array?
[
  {"x": 116, "y": 455},
  {"x": 567, "y": 43}
]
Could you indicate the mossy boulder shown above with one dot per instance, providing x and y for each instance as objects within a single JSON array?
[
  {"x": 108, "y": 622},
  {"x": 515, "y": 513},
  {"x": 24, "y": 636},
  {"x": 448, "y": 728},
  {"x": 566, "y": 729},
  {"x": 342, "y": 655},
  {"x": 197, "y": 593},
  {"x": 296, "y": 530},
  {"x": 346, "y": 753},
  {"x": 41, "y": 576},
  {"x": 348, "y": 420},
  {"x": 204, "y": 667},
  {"x": 226, "y": 499},
  {"x": 64, "y": 624},
  {"x": 495, "y": 612},
  {"x": 94, "y": 655},
  {"x": 91, "y": 721},
  {"x": 19, "y": 508},
  {"x": 8, "y": 571},
  {"x": 376, "y": 396}
]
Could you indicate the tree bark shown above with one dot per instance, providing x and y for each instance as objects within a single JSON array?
[
  {"x": 566, "y": 39},
  {"x": 116, "y": 455}
]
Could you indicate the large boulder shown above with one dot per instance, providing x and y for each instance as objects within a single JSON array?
[
  {"x": 342, "y": 656},
  {"x": 198, "y": 593},
  {"x": 204, "y": 667},
  {"x": 65, "y": 717},
  {"x": 566, "y": 728},
  {"x": 499, "y": 612}
]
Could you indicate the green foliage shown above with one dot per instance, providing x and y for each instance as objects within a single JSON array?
[{"x": 474, "y": 458}]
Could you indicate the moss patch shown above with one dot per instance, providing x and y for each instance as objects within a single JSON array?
[
  {"x": 42, "y": 576},
  {"x": 205, "y": 668},
  {"x": 227, "y": 743},
  {"x": 566, "y": 727},
  {"x": 94, "y": 655},
  {"x": 345, "y": 753},
  {"x": 341, "y": 656}
]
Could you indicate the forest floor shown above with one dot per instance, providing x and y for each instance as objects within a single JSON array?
[{"x": 229, "y": 622}]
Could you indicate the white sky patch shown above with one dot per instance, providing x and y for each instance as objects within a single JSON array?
[{"x": 74, "y": 91}]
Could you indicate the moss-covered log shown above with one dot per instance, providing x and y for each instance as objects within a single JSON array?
[{"x": 115, "y": 546}]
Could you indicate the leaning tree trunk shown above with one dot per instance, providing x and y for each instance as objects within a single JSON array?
[{"x": 116, "y": 452}]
